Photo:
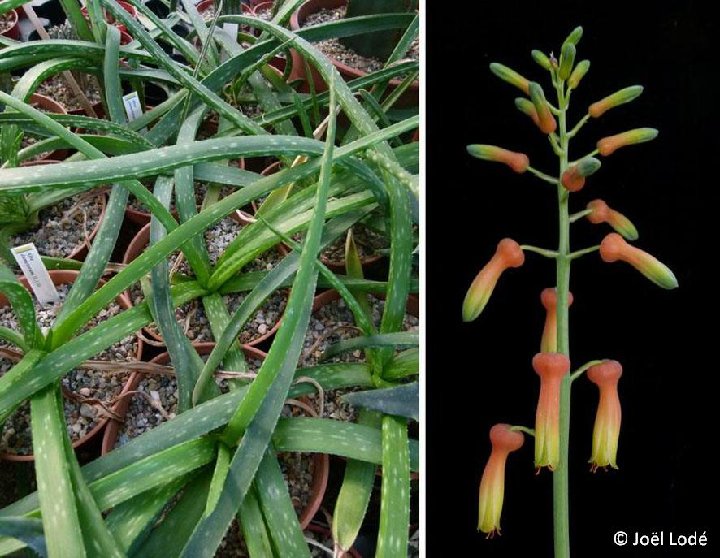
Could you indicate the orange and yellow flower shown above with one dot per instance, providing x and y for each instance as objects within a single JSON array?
[
  {"x": 548, "y": 297},
  {"x": 504, "y": 440},
  {"x": 552, "y": 368},
  {"x": 608, "y": 145},
  {"x": 518, "y": 162},
  {"x": 508, "y": 254},
  {"x": 614, "y": 248},
  {"x": 600, "y": 212},
  {"x": 608, "y": 417},
  {"x": 597, "y": 109}
]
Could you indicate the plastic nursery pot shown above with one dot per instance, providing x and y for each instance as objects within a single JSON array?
[
  {"x": 321, "y": 461},
  {"x": 9, "y": 25},
  {"x": 409, "y": 98},
  {"x": 136, "y": 247},
  {"x": 68, "y": 277},
  {"x": 81, "y": 250},
  {"x": 47, "y": 104}
]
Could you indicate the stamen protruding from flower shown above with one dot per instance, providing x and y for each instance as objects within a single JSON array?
[
  {"x": 600, "y": 212},
  {"x": 492, "y": 486},
  {"x": 546, "y": 121},
  {"x": 614, "y": 248},
  {"x": 608, "y": 145},
  {"x": 548, "y": 297},
  {"x": 573, "y": 179},
  {"x": 510, "y": 76},
  {"x": 597, "y": 109},
  {"x": 606, "y": 431},
  {"x": 508, "y": 254},
  {"x": 552, "y": 368},
  {"x": 518, "y": 162}
]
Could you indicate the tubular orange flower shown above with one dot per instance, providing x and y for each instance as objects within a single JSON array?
[
  {"x": 492, "y": 486},
  {"x": 597, "y": 109},
  {"x": 510, "y": 76},
  {"x": 551, "y": 367},
  {"x": 508, "y": 254},
  {"x": 548, "y": 297},
  {"x": 608, "y": 145},
  {"x": 607, "y": 420},
  {"x": 546, "y": 121},
  {"x": 614, "y": 248},
  {"x": 518, "y": 162},
  {"x": 600, "y": 212},
  {"x": 573, "y": 179}
]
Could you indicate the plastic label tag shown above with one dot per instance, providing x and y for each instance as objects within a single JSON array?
[
  {"x": 36, "y": 273},
  {"x": 133, "y": 108}
]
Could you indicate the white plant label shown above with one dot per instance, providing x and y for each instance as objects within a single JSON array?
[
  {"x": 36, "y": 273},
  {"x": 232, "y": 30},
  {"x": 133, "y": 108}
]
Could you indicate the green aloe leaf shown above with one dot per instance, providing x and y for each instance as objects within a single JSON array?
[
  {"x": 395, "y": 339},
  {"x": 253, "y": 526},
  {"x": 22, "y": 304},
  {"x": 25, "y": 529},
  {"x": 402, "y": 401},
  {"x": 403, "y": 364}
]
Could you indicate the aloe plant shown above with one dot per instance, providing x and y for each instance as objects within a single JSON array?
[{"x": 217, "y": 460}]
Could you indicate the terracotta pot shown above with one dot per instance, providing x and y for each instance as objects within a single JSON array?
[
  {"x": 80, "y": 251},
  {"x": 49, "y": 105},
  {"x": 136, "y": 247},
  {"x": 321, "y": 461},
  {"x": 66, "y": 277},
  {"x": 409, "y": 98},
  {"x": 13, "y": 31},
  {"x": 339, "y": 266}
]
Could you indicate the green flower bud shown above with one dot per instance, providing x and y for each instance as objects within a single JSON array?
[
  {"x": 510, "y": 76},
  {"x": 578, "y": 73},
  {"x": 567, "y": 59},
  {"x": 542, "y": 60},
  {"x": 618, "y": 98},
  {"x": 575, "y": 35}
]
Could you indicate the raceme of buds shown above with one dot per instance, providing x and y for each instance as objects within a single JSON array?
[
  {"x": 597, "y": 109},
  {"x": 567, "y": 59},
  {"x": 548, "y": 297},
  {"x": 600, "y": 212},
  {"x": 518, "y": 162},
  {"x": 607, "y": 419},
  {"x": 492, "y": 486},
  {"x": 608, "y": 145},
  {"x": 573, "y": 179},
  {"x": 542, "y": 60},
  {"x": 546, "y": 121},
  {"x": 551, "y": 367},
  {"x": 614, "y": 248},
  {"x": 578, "y": 73},
  {"x": 510, "y": 76},
  {"x": 508, "y": 254}
]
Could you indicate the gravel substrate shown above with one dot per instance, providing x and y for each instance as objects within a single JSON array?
[
  {"x": 6, "y": 21},
  {"x": 65, "y": 226},
  {"x": 81, "y": 414},
  {"x": 333, "y": 48},
  {"x": 58, "y": 90},
  {"x": 192, "y": 316},
  {"x": 367, "y": 241}
]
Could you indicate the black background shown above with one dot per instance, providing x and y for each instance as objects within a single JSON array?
[{"x": 479, "y": 374}]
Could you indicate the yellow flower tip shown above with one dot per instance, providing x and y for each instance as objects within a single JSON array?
[
  {"x": 614, "y": 248},
  {"x": 504, "y": 441},
  {"x": 606, "y": 431},
  {"x": 518, "y": 162},
  {"x": 608, "y": 145},
  {"x": 551, "y": 367},
  {"x": 508, "y": 254},
  {"x": 510, "y": 76},
  {"x": 600, "y": 212},
  {"x": 597, "y": 109}
]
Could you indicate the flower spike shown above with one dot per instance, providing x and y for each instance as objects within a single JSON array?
[
  {"x": 548, "y": 297},
  {"x": 614, "y": 248},
  {"x": 608, "y": 417},
  {"x": 546, "y": 121},
  {"x": 510, "y": 76},
  {"x": 518, "y": 162},
  {"x": 597, "y": 109},
  {"x": 573, "y": 179},
  {"x": 608, "y": 145},
  {"x": 600, "y": 212},
  {"x": 492, "y": 486},
  {"x": 508, "y": 254},
  {"x": 552, "y": 368}
]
